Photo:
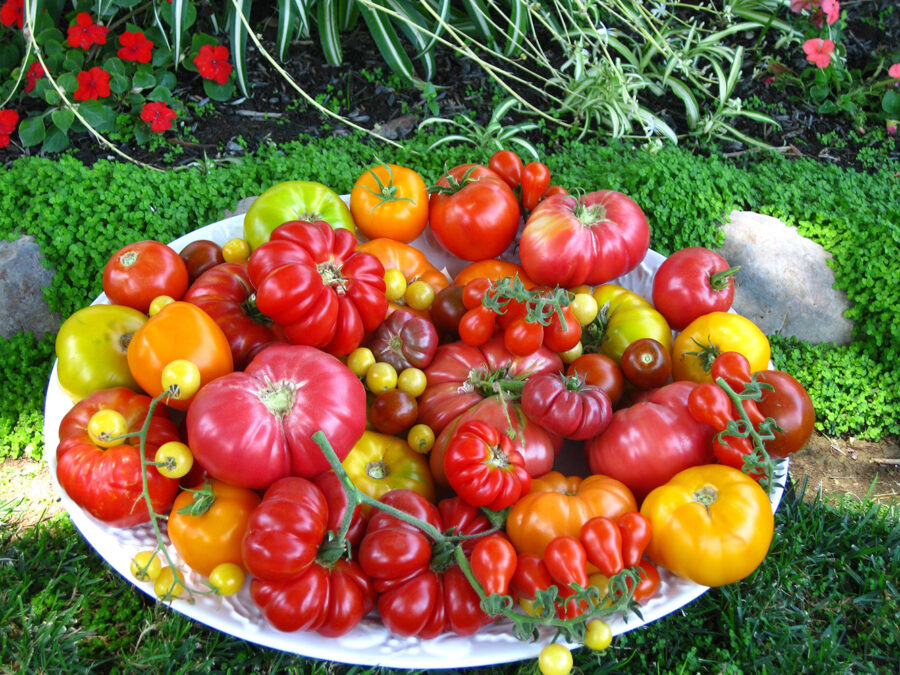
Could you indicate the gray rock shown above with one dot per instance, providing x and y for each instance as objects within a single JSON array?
[
  {"x": 22, "y": 278},
  {"x": 242, "y": 207},
  {"x": 784, "y": 285}
]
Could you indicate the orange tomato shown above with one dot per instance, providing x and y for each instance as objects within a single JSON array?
[
  {"x": 179, "y": 330},
  {"x": 559, "y": 505},
  {"x": 493, "y": 270},
  {"x": 707, "y": 336},
  {"x": 214, "y": 536},
  {"x": 390, "y": 201}
]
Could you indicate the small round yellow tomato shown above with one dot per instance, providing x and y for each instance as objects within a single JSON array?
[
  {"x": 584, "y": 308},
  {"x": 412, "y": 381},
  {"x": 394, "y": 283},
  {"x": 173, "y": 459},
  {"x": 180, "y": 377},
  {"x": 360, "y": 360},
  {"x": 158, "y": 303},
  {"x": 167, "y": 585},
  {"x": 227, "y": 578},
  {"x": 420, "y": 438},
  {"x": 380, "y": 377},
  {"x": 419, "y": 295},
  {"x": 235, "y": 250},
  {"x": 598, "y": 635},
  {"x": 555, "y": 659},
  {"x": 145, "y": 566},
  {"x": 107, "y": 427},
  {"x": 571, "y": 355}
]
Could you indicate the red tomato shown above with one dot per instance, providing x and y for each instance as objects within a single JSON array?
[
  {"x": 107, "y": 482},
  {"x": 535, "y": 181},
  {"x": 523, "y": 337},
  {"x": 691, "y": 282},
  {"x": 492, "y": 269},
  {"x": 561, "y": 336},
  {"x": 591, "y": 240},
  {"x": 790, "y": 406},
  {"x": 494, "y": 563},
  {"x": 201, "y": 255},
  {"x": 646, "y": 363},
  {"x": 139, "y": 272},
  {"x": 507, "y": 165},
  {"x": 251, "y": 428},
  {"x": 566, "y": 406},
  {"x": 601, "y": 371},
  {"x": 311, "y": 281},
  {"x": 477, "y": 325},
  {"x": 475, "y": 215},
  {"x": 649, "y": 442},
  {"x": 405, "y": 340}
]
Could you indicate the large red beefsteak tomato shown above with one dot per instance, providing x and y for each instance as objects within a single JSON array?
[{"x": 251, "y": 428}]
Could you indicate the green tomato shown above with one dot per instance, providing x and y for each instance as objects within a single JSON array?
[
  {"x": 91, "y": 347},
  {"x": 294, "y": 200}
]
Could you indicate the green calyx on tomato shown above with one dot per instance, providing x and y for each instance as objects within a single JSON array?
[{"x": 294, "y": 200}]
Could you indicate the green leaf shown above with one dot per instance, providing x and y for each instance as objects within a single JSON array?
[
  {"x": 238, "y": 37},
  {"x": 891, "y": 103},
  {"x": 119, "y": 83},
  {"x": 143, "y": 80},
  {"x": 286, "y": 21},
  {"x": 53, "y": 48},
  {"x": 382, "y": 31},
  {"x": 56, "y": 140},
  {"x": 32, "y": 131},
  {"x": 10, "y": 56},
  {"x": 166, "y": 79},
  {"x": 819, "y": 92},
  {"x": 67, "y": 82},
  {"x": 328, "y": 31},
  {"x": 114, "y": 65},
  {"x": 62, "y": 118},
  {"x": 161, "y": 93},
  {"x": 99, "y": 115},
  {"x": 218, "y": 92},
  {"x": 51, "y": 97},
  {"x": 74, "y": 60}
]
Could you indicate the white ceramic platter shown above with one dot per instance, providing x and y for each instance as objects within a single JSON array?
[{"x": 370, "y": 643}]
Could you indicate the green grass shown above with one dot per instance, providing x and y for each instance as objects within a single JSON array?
[{"x": 825, "y": 600}]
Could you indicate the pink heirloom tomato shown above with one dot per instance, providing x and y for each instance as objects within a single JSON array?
[{"x": 251, "y": 428}]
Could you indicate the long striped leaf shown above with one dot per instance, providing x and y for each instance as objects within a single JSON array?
[
  {"x": 302, "y": 7},
  {"x": 443, "y": 11},
  {"x": 237, "y": 35},
  {"x": 413, "y": 25},
  {"x": 286, "y": 21},
  {"x": 348, "y": 15},
  {"x": 327, "y": 12},
  {"x": 691, "y": 107},
  {"x": 385, "y": 36},
  {"x": 519, "y": 22},
  {"x": 479, "y": 15},
  {"x": 179, "y": 27},
  {"x": 735, "y": 71}
]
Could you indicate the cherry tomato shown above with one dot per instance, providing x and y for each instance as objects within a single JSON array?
[
  {"x": 158, "y": 303},
  {"x": 235, "y": 250},
  {"x": 448, "y": 309},
  {"x": 360, "y": 360},
  {"x": 477, "y": 326},
  {"x": 381, "y": 377},
  {"x": 419, "y": 295},
  {"x": 139, "y": 272},
  {"x": 390, "y": 201},
  {"x": 561, "y": 336},
  {"x": 601, "y": 371},
  {"x": 145, "y": 566},
  {"x": 180, "y": 377},
  {"x": 167, "y": 585},
  {"x": 412, "y": 381},
  {"x": 584, "y": 308},
  {"x": 646, "y": 363},
  {"x": 508, "y": 165},
  {"x": 598, "y": 635},
  {"x": 523, "y": 337},
  {"x": 393, "y": 411},
  {"x": 420, "y": 438},
  {"x": 474, "y": 291},
  {"x": 107, "y": 428},
  {"x": 395, "y": 284},
  {"x": 200, "y": 256},
  {"x": 570, "y": 355},
  {"x": 227, "y": 578},
  {"x": 790, "y": 406},
  {"x": 555, "y": 659},
  {"x": 174, "y": 459},
  {"x": 535, "y": 181}
]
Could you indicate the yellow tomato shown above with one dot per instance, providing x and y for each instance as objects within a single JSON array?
[
  {"x": 623, "y": 317},
  {"x": 235, "y": 250},
  {"x": 707, "y": 336},
  {"x": 378, "y": 463}
]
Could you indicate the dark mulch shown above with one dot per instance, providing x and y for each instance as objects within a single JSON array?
[{"x": 359, "y": 90}]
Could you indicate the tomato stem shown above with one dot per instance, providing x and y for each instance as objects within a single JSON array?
[{"x": 723, "y": 279}]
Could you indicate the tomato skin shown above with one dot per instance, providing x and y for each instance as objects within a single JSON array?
[
  {"x": 336, "y": 499},
  {"x": 646, "y": 363},
  {"x": 494, "y": 563},
  {"x": 623, "y": 317},
  {"x": 213, "y": 537},
  {"x": 649, "y": 442},
  {"x": 535, "y": 181},
  {"x": 494, "y": 270},
  {"x": 565, "y": 406},
  {"x": 523, "y": 337},
  {"x": 561, "y": 336},
  {"x": 393, "y": 412},
  {"x": 405, "y": 340},
  {"x": 248, "y": 432},
  {"x": 477, "y": 325},
  {"x": 199, "y": 256},
  {"x": 714, "y": 543},
  {"x": 602, "y": 542},
  {"x": 792, "y": 409},
  {"x": 601, "y": 371},
  {"x": 686, "y": 286},
  {"x": 138, "y": 272},
  {"x": 722, "y": 332},
  {"x": 107, "y": 482},
  {"x": 226, "y": 294},
  {"x": 390, "y": 201},
  {"x": 447, "y": 311},
  {"x": 294, "y": 200},
  {"x": 91, "y": 347},
  {"x": 591, "y": 240},
  {"x": 179, "y": 330},
  {"x": 379, "y": 463},
  {"x": 478, "y": 220},
  {"x": 508, "y": 165},
  {"x": 408, "y": 259}
]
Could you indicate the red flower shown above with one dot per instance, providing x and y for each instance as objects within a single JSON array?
[
  {"x": 93, "y": 83},
  {"x": 135, "y": 47},
  {"x": 818, "y": 51},
  {"x": 8, "y": 121},
  {"x": 158, "y": 115},
  {"x": 894, "y": 71},
  {"x": 212, "y": 63},
  {"x": 85, "y": 32},
  {"x": 35, "y": 73},
  {"x": 11, "y": 13}
]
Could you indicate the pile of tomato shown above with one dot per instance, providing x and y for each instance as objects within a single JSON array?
[{"x": 446, "y": 400}]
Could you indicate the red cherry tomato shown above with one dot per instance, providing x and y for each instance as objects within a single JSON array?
[
  {"x": 646, "y": 363},
  {"x": 790, "y": 406},
  {"x": 600, "y": 371},
  {"x": 523, "y": 337},
  {"x": 535, "y": 181},
  {"x": 508, "y": 165}
]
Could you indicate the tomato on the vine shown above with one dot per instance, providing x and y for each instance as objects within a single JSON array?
[
  {"x": 523, "y": 337},
  {"x": 173, "y": 459},
  {"x": 390, "y": 201},
  {"x": 562, "y": 335},
  {"x": 697, "y": 346},
  {"x": 789, "y": 404}
]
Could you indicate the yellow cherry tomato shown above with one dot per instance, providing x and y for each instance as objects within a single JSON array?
[
  {"x": 235, "y": 250},
  {"x": 419, "y": 295},
  {"x": 181, "y": 377},
  {"x": 571, "y": 355},
  {"x": 227, "y": 578},
  {"x": 145, "y": 566},
  {"x": 380, "y": 377},
  {"x": 168, "y": 586},
  {"x": 158, "y": 303},
  {"x": 420, "y": 438},
  {"x": 173, "y": 459},
  {"x": 360, "y": 360},
  {"x": 584, "y": 308},
  {"x": 598, "y": 635},
  {"x": 412, "y": 381},
  {"x": 395, "y": 284},
  {"x": 106, "y": 428},
  {"x": 555, "y": 659}
]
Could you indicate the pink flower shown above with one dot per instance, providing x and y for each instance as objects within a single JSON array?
[
  {"x": 832, "y": 11},
  {"x": 135, "y": 47},
  {"x": 212, "y": 63},
  {"x": 797, "y": 6},
  {"x": 35, "y": 73},
  {"x": 769, "y": 80},
  {"x": 84, "y": 32},
  {"x": 92, "y": 84},
  {"x": 892, "y": 129},
  {"x": 12, "y": 12},
  {"x": 8, "y": 121},
  {"x": 158, "y": 115},
  {"x": 894, "y": 71},
  {"x": 818, "y": 51}
]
